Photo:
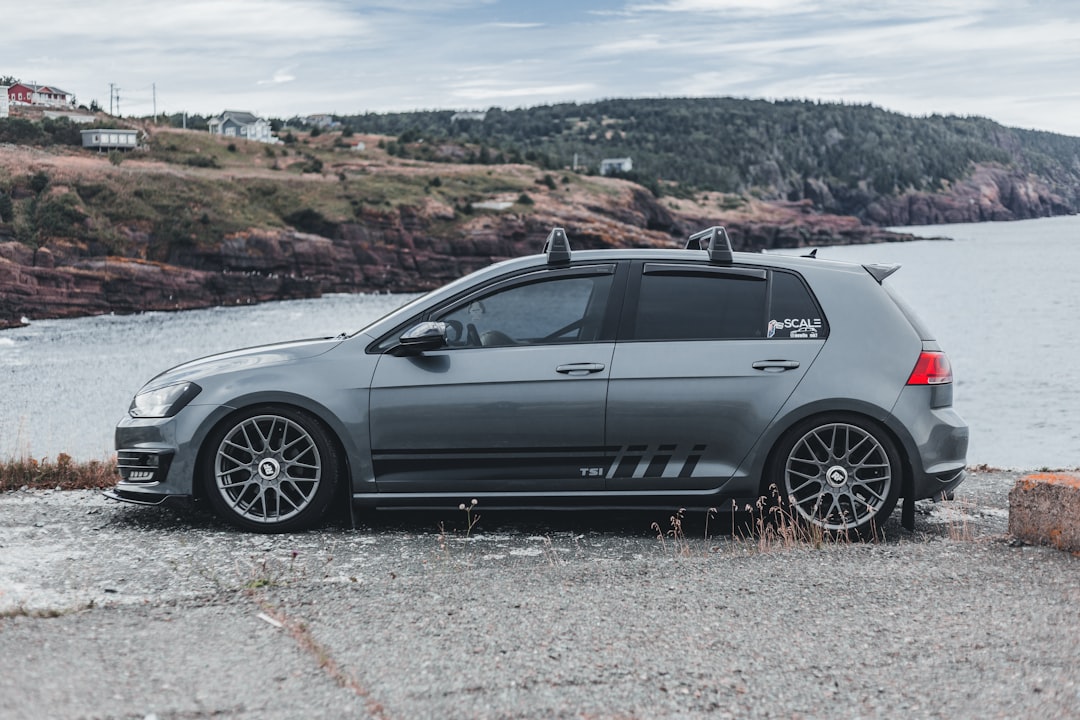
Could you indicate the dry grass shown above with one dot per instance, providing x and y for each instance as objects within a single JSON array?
[
  {"x": 63, "y": 472},
  {"x": 766, "y": 526}
]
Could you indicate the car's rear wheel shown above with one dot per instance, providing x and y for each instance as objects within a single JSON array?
[
  {"x": 271, "y": 469},
  {"x": 839, "y": 473}
]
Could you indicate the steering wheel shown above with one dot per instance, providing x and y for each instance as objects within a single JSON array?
[
  {"x": 472, "y": 337},
  {"x": 496, "y": 338},
  {"x": 576, "y": 325},
  {"x": 456, "y": 336}
]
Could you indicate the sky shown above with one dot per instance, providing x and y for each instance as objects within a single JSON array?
[{"x": 1014, "y": 61}]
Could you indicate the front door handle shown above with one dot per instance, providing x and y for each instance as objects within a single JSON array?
[
  {"x": 775, "y": 365},
  {"x": 580, "y": 368}
]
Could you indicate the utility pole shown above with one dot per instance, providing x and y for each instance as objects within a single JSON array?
[
  {"x": 153, "y": 86},
  {"x": 114, "y": 92}
]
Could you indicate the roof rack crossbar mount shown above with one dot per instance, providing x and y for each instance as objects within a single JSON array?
[
  {"x": 557, "y": 247},
  {"x": 716, "y": 241}
]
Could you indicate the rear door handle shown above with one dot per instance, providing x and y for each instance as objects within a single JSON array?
[
  {"x": 580, "y": 368},
  {"x": 776, "y": 365}
]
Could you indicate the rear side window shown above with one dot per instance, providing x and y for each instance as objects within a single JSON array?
[
  {"x": 692, "y": 306},
  {"x": 793, "y": 314}
]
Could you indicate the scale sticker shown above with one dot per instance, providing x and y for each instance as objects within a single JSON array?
[{"x": 795, "y": 327}]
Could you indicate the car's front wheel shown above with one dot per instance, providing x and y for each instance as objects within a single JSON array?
[
  {"x": 838, "y": 473},
  {"x": 271, "y": 469}
]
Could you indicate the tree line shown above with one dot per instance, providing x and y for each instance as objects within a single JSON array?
[{"x": 767, "y": 148}]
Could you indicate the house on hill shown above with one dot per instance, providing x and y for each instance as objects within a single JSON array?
[
  {"x": 322, "y": 121},
  {"x": 468, "y": 115},
  {"x": 110, "y": 139},
  {"x": 237, "y": 123},
  {"x": 41, "y": 95},
  {"x": 3, "y": 101},
  {"x": 616, "y": 165}
]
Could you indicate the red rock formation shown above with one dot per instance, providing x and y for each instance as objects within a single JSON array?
[
  {"x": 990, "y": 193},
  {"x": 393, "y": 250}
]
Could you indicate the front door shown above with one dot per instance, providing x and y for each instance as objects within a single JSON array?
[{"x": 514, "y": 403}]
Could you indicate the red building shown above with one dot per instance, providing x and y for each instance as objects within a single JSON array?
[{"x": 32, "y": 94}]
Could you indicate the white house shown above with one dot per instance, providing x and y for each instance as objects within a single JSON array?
[
  {"x": 322, "y": 121},
  {"x": 4, "y": 104},
  {"x": 237, "y": 123},
  {"x": 110, "y": 139},
  {"x": 75, "y": 117},
  {"x": 616, "y": 165}
]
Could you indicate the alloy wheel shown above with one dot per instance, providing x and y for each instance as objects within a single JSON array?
[
  {"x": 268, "y": 469},
  {"x": 838, "y": 476}
]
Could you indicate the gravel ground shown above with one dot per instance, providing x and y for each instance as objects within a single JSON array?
[{"x": 114, "y": 611}]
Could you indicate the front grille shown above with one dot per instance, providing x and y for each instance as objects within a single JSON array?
[{"x": 143, "y": 466}]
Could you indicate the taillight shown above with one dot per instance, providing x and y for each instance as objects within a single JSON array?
[{"x": 932, "y": 368}]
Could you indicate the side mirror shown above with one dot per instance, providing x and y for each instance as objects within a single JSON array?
[{"x": 420, "y": 338}]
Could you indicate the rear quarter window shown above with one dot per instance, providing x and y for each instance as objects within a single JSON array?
[{"x": 793, "y": 314}]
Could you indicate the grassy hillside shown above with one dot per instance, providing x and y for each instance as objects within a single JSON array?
[{"x": 190, "y": 187}]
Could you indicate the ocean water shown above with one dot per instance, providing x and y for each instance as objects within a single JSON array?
[
  {"x": 64, "y": 384},
  {"x": 1002, "y": 299}
]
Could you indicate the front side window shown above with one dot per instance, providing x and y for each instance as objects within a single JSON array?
[
  {"x": 559, "y": 310},
  {"x": 700, "y": 306}
]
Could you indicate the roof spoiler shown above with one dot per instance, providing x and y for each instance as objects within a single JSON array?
[
  {"x": 880, "y": 272},
  {"x": 719, "y": 244},
  {"x": 557, "y": 247}
]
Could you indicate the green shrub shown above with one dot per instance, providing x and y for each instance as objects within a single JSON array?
[
  {"x": 59, "y": 217},
  {"x": 20, "y": 131},
  {"x": 39, "y": 181},
  {"x": 203, "y": 161}
]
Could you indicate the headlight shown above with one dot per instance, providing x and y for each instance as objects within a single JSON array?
[{"x": 163, "y": 402}]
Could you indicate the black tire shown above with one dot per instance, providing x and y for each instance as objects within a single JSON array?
[
  {"x": 840, "y": 473},
  {"x": 271, "y": 469}
]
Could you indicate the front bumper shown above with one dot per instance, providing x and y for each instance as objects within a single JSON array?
[{"x": 157, "y": 457}]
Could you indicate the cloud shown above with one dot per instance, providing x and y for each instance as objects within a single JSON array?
[
  {"x": 489, "y": 90},
  {"x": 514, "y": 25},
  {"x": 280, "y": 77},
  {"x": 1012, "y": 60}
]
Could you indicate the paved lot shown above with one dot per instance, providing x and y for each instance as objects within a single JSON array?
[{"x": 111, "y": 611}]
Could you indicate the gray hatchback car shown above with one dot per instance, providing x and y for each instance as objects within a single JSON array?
[{"x": 616, "y": 378}]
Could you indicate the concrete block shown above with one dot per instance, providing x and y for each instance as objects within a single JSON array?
[{"x": 1044, "y": 509}]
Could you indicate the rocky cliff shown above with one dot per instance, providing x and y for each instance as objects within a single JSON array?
[{"x": 990, "y": 193}]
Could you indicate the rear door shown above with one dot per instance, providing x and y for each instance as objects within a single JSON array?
[
  {"x": 515, "y": 403},
  {"x": 706, "y": 357}
]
